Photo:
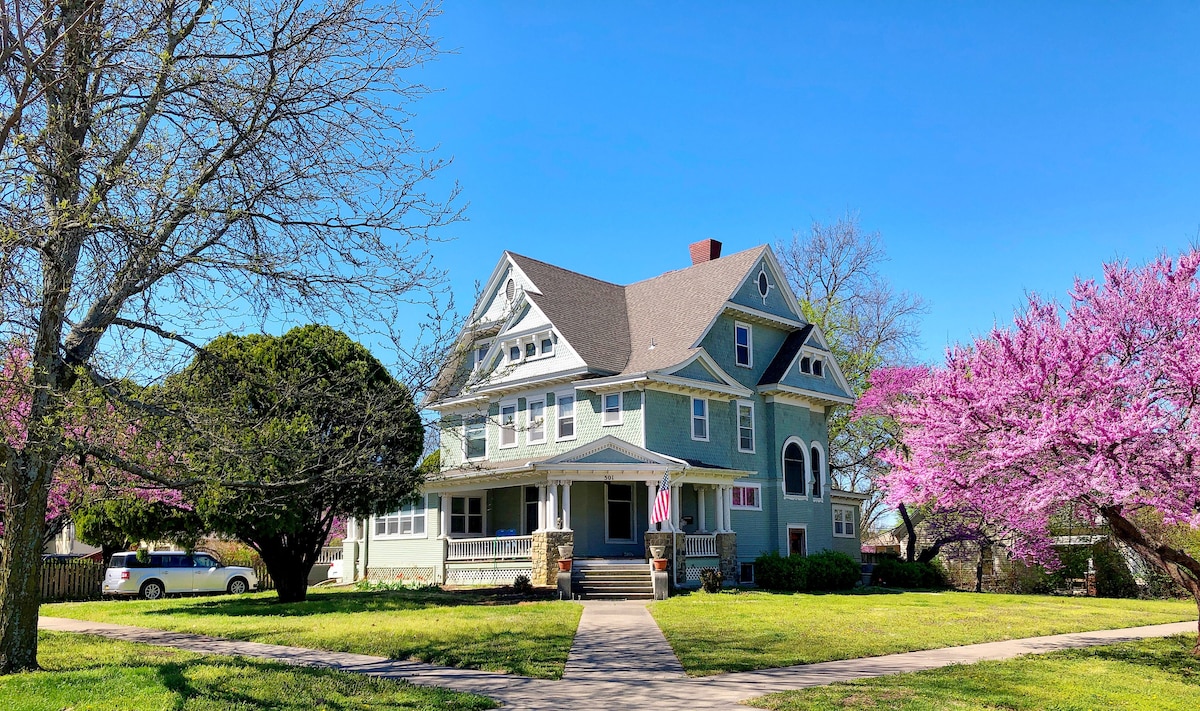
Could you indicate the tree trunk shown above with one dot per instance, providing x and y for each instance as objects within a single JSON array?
[
  {"x": 1177, "y": 564},
  {"x": 910, "y": 553},
  {"x": 289, "y": 565},
  {"x": 979, "y": 571},
  {"x": 21, "y": 568}
]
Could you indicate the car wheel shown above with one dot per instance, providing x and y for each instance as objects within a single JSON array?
[
  {"x": 238, "y": 586},
  {"x": 152, "y": 590}
]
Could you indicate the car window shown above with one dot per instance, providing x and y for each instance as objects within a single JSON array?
[
  {"x": 204, "y": 561},
  {"x": 118, "y": 561},
  {"x": 181, "y": 561},
  {"x": 158, "y": 561}
]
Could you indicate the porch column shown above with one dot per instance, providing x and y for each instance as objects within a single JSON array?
[
  {"x": 676, "y": 492},
  {"x": 444, "y": 502},
  {"x": 700, "y": 527},
  {"x": 566, "y": 505},
  {"x": 552, "y": 507},
  {"x": 727, "y": 502},
  {"x": 651, "y": 494},
  {"x": 720, "y": 510},
  {"x": 541, "y": 507}
]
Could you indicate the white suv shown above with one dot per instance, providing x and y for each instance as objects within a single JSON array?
[{"x": 173, "y": 572}]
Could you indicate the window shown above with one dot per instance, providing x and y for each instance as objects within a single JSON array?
[
  {"x": 508, "y": 425},
  {"x": 764, "y": 286},
  {"x": 818, "y": 368},
  {"x": 620, "y": 513},
  {"x": 530, "y": 349},
  {"x": 747, "y": 496},
  {"x": 514, "y": 353},
  {"x": 205, "y": 561},
  {"x": 466, "y": 515},
  {"x": 547, "y": 346},
  {"x": 843, "y": 521},
  {"x": 745, "y": 420},
  {"x": 481, "y": 352},
  {"x": 700, "y": 419},
  {"x": 793, "y": 469},
  {"x": 536, "y": 434},
  {"x": 612, "y": 409},
  {"x": 566, "y": 417},
  {"x": 533, "y": 504},
  {"x": 510, "y": 289},
  {"x": 806, "y": 365},
  {"x": 743, "y": 342},
  {"x": 816, "y": 472},
  {"x": 408, "y": 521},
  {"x": 797, "y": 540},
  {"x": 476, "y": 437},
  {"x": 747, "y": 573}
]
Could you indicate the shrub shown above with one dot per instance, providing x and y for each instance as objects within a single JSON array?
[
  {"x": 1113, "y": 578},
  {"x": 895, "y": 573},
  {"x": 824, "y": 571},
  {"x": 522, "y": 584},
  {"x": 710, "y": 580}
]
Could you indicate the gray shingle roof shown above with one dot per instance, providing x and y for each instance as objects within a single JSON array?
[{"x": 779, "y": 364}]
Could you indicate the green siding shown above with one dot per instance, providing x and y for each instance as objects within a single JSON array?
[
  {"x": 749, "y": 296},
  {"x": 588, "y": 513},
  {"x": 696, "y": 371}
]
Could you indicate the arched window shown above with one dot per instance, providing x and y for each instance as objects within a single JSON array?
[
  {"x": 793, "y": 469},
  {"x": 816, "y": 471}
]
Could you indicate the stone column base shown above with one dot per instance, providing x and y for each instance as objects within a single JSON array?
[
  {"x": 727, "y": 552},
  {"x": 544, "y": 551}
]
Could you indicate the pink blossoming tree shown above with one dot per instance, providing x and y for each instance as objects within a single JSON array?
[{"x": 1092, "y": 405}]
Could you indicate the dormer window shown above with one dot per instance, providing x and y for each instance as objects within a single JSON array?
[
  {"x": 547, "y": 346},
  {"x": 743, "y": 340},
  {"x": 481, "y": 352},
  {"x": 818, "y": 368},
  {"x": 530, "y": 349},
  {"x": 806, "y": 365},
  {"x": 514, "y": 353}
]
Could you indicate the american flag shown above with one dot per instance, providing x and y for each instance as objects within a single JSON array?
[{"x": 662, "y": 502}]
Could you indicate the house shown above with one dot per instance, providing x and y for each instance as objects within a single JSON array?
[{"x": 571, "y": 399}]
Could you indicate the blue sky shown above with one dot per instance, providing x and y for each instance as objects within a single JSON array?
[{"x": 998, "y": 149}]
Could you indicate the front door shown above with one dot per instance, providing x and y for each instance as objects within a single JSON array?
[
  {"x": 797, "y": 545},
  {"x": 619, "y": 517}
]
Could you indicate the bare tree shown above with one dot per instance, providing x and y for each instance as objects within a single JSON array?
[
  {"x": 834, "y": 269},
  {"x": 172, "y": 169}
]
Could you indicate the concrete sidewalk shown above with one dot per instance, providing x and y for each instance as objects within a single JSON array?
[
  {"x": 631, "y": 681},
  {"x": 620, "y": 641}
]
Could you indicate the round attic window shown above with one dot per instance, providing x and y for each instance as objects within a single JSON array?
[
  {"x": 510, "y": 289},
  {"x": 763, "y": 285}
]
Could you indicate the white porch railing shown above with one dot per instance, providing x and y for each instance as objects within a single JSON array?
[
  {"x": 501, "y": 548},
  {"x": 700, "y": 545}
]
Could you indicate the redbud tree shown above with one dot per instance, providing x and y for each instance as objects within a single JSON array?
[{"x": 1089, "y": 405}]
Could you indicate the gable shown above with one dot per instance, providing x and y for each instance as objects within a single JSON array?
[
  {"x": 776, "y": 301},
  {"x": 697, "y": 370},
  {"x": 609, "y": 455},
  {"x": 612, "y": 450}
]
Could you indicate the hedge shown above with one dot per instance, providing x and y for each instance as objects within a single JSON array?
[
  {"x": 824, "y": 571},
  {"x": 896, "y": 573}
]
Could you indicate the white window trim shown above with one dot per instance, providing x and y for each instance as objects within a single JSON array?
[
  {"x": 823, "y": 468},
  {"x": 787, "y": 537},
  {"x": 483, "y": 507},
  {"x": 737, "y": 417},
  {"x": 805, "y": 473},
  {"x": 525, "y": 507},
  {"x": 749, "y": 344},
  {"x": 757, "y": 496},
  {"x": 466, "y": 443},
  {"x": 692, "y": 420},
  {"x": 847, "y": 511},
  {"x": 574, "y": 415},
  {"x": 501, "y": 427},
  {"x": 529, "y": 403},
  {"x": 422, "y": 505},
  {"x": 620, "y": 410},
  {"x": 633, "y": 487},
  {"x": 485, "y": 346}
]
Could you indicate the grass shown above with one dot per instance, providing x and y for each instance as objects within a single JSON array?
[
  {"x": 741, "y": 631},
  {"x": 1150, "y": 675},
  {"x": 86, "y": 673},
  {"x": 471, "y": 630}
]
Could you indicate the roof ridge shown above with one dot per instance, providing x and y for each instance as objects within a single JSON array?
[{"x": 724, "y": 259}]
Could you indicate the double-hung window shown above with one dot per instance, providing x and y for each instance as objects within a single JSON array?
[
  {"x": 475, "y": 437},
  {"x": 466, "y": 515},
  {"x": 793, "y": 469},
  {"x": 508, "y": 424},
  {"x": 481, "y": 352},
  {"x": 745, "y": 423},
  {"x": 536, "y": 432},
  {"x": 743, "y": 339},
  {"x": 843, "y": 521},
  {"x": 565, "y": 405},
  {"x": 612, "y": 409},
  {"x": 700, "y": 419},
  {"x": 408, "y": 521},
  {"x": 747, "y": 496},
  {"x": 817, "y": 478}
]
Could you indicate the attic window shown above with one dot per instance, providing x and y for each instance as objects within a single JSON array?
[
  {"x": 510, "y": 289},
  {"x": 481, "y": 353},
  {"x": 818, "y": 368},
  {"x": 763, "y": 285},
  {"x": 530, "y": 349},
  {"x": 806, "y": 365},
  {"x": 514, "y": 353},
  {"x": 547, "y": 346}
]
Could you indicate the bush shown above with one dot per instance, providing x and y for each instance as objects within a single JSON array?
[
  {"x": 824, "y": 571},
  {"x": 710, "y": 580},
  {"x": 1113, "y": 578},
  {"x": 896, "y": 573},
  {"x": 522, "y": 584}
]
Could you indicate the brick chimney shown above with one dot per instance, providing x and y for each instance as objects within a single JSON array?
[{"x": 705, "y": 250}]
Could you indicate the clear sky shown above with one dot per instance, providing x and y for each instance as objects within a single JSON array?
[{"x": 999, "y": 149}]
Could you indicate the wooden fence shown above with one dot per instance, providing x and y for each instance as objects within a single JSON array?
[{"x": 72, "y": 580}]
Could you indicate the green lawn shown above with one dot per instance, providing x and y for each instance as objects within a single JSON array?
[
  {"x": 1151, "y": 675},
  {"x": 740, "y": 631},
  {"x": 455, "y": 629},
  {"x": 85, "y": 673}
]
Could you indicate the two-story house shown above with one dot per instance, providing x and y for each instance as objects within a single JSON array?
[{"x": 569, "y": 398}]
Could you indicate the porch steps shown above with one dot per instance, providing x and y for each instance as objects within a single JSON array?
[{"x": 612, "y": 580}]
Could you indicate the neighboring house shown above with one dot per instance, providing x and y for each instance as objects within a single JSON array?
[{"x": 568, "y": 400}]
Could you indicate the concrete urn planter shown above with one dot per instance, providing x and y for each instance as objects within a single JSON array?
[
  {"x": 567, "y": 551},
  {"x": 657, "y": 552}
]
